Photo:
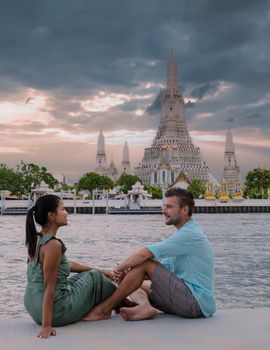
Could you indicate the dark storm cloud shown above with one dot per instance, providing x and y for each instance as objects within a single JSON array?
[
  {"x": 83, "y": 43},
  {"x": 73, "y": 49},
  {"x": 254, "y": 116},
  {"x": 154, "y": 107},
  {"x": 202, "y": 90},
  {"x": 80, "y": 44}
]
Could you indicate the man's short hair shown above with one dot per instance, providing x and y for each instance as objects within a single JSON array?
[{"x": 184, "y": 197}]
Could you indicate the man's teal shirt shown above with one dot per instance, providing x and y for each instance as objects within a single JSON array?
[{"x": 188, "y": 254}]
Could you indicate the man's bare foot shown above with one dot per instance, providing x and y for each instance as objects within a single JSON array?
[
  {"x": 140, "y": 312},
  {"x": 124, "y": 303},
  {"x": 96, "y": 314}
]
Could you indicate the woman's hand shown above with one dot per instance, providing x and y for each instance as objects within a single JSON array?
[
  {"x": 46, "y": 332},
  {"x": 107, "y": 273},
  {"x": 118, "y": 276}
]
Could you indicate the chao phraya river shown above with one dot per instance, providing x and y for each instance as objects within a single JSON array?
[{"x": 240, "y": 243}]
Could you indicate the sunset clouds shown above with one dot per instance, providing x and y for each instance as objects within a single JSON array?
[{"x": 69, "y": 68}]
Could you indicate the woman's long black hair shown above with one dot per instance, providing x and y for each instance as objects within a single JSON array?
[{"x": 44, "y": 205}]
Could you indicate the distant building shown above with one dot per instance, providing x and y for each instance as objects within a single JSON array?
[
  {"x": 231, "y": 172},
  {"x": 101, "y": 160},
  {"x": 172, "y": 150}
]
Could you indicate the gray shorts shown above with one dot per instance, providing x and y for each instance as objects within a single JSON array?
[{"x": 170, "y": 294}]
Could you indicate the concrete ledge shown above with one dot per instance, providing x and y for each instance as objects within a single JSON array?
[{"x": 235, "y": 329}]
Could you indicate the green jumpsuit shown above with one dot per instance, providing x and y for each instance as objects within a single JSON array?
[{"x": 74, "y": 296}]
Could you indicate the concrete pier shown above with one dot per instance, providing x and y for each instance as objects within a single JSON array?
[
  {"x": 153, "y": 206},
  {"x": 234, "y": 329}
]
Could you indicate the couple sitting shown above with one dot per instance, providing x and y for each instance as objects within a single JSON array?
[{"x": 179, "y": 269}]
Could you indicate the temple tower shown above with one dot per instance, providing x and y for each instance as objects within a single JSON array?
[
  {"x": 112, "y": 171},
  {"x": 125, "y": 165},
  {"x": 231, "y": 172},
  {"x": 172, "y": 145},
  {"x": 101, "y": 162}
]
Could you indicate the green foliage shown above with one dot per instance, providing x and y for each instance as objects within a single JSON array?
[
  {"x": 197, "y": 188},
  {"x": 66, "y": 187},
  {"x": 32, "y": 175},
  {"x": 257, "y": 183},
  {"x": 91, "y": 181},
  {"x": 154, "y": 191},
  {"x": 10, "y": 180},
  {"x": 126, "y": 181}
]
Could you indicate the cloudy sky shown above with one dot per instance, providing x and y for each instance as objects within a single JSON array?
[{"x": 69, "y": 68}]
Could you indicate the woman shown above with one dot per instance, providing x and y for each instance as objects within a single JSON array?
[{"x": 51, "y": 298}]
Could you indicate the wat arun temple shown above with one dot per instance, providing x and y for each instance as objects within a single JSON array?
[
  {"x": 172, "y": 151},
  {"x": 172, "y": 154}
]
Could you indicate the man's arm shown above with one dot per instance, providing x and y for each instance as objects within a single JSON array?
[{"x": 136, "y": 258}]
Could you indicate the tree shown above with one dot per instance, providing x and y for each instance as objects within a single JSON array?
[
  {"x": 197, "y": 188},
  {"x": 91, "y": 181},
  {"x": 257, "y": 183},
  {"x": 154, "y": 191},
  {"x": 126, "y": 181},
  {"x": 10, "y": 180},
  {"x": 32, "y": 175},
  {"x": 66, "y": 187}
]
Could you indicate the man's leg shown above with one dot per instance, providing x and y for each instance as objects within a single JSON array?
[
  {"x": 131, "y": 282},
  {"x": 171, "y": 295},
  {"x": 144, "y": 310}
]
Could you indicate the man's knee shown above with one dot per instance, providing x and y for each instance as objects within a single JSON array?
[{"x": 149, "y": 267}]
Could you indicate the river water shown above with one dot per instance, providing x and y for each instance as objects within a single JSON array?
[{"x": 240, "y": 243}]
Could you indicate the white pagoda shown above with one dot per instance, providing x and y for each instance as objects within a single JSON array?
[
  {"x": 172, "y": 150},
  {"x": 231, "y": 172},
  {"x": 101, "y": 160},
  {"x": 125, "y": 165}
]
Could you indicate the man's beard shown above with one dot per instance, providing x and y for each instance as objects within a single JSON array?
[{"x": 173, "y": 221}]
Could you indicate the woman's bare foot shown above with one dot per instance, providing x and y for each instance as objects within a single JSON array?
[
  {"x": 140, "y": 312},
  {"x": 96, "y": 314}
]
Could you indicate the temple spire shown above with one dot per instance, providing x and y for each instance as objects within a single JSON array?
[
  {"x": 172, "y": 151},
  {"x": 112, "y": 172},
  {"x": 125, "y": 159},
  {"x": 231, "y": 172},
  {"x": 101, "y": 161},
  {"x": 100, "y": 143},
  {"x": 229, "y": 146},
  {"x": 172, "y": 72}
]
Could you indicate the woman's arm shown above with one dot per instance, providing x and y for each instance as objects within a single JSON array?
[
  {"x": 76, "y": 267},
  {"x": 51, "y": 254}
]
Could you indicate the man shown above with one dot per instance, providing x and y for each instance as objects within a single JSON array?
[{"x": 182, "y": 281}]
